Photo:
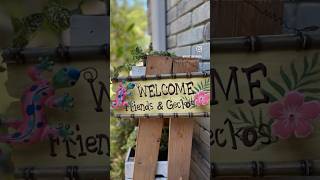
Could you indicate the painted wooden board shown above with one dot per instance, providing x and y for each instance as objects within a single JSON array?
[
  {"x": 89, "y": 143},
  {"x": 268, "y": 92},
  {"x": 149, "y": 132},
  {"x": 171, "y": 95}
]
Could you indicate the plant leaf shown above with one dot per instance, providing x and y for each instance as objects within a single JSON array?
[
  {"x": 253, "y": 119},
  {"x": 315, "y": 60},
  {"x": 243, "y": 116},
  {"x": 276, "y": 86},
  {"x": 310, "y": 90},
  {"x": 271, "y": 97},
  {"x": 313, "y": 73},
  {"x": 305, "y": 65},
  {"x": 294, "y": 73},
  {"x": 285, "y": 78},
  {"x": 310, "y": 98},
  {"x": 312, "y": 81},
  {"x": 260, "y": 117},
  {"x": 234, "y": 115}
]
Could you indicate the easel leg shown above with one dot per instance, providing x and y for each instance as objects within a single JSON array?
[
  {"x": 179, "y": 148},
  {"x": 147, "y": 150}
]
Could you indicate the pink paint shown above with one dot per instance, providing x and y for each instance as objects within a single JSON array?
[{"x": 293, "y": 116}]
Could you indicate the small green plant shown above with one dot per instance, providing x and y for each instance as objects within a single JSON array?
[{"x": 139, "y": 55}]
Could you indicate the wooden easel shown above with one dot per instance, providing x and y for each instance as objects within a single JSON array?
[{"x": 180, "y": 130}]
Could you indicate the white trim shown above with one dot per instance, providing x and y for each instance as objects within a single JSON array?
[{"x": 158, "y": 24}]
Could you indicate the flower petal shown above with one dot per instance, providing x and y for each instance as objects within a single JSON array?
[
  {"x": 282, "y": 130},
  {"x": 276, "y": 110},
  {"x": 310, "y": 110},
  {"x": 303, "y": 129},
  {"x": 293, "y": 99}
]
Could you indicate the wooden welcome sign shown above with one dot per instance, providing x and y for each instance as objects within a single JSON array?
[
  {"x": 167, "y": 95},
  {"x": 86, "y": 140},
  {"x": 266, "y": 106}
]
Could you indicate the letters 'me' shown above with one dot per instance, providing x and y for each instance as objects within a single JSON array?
[{"x": 216, "y": 79}]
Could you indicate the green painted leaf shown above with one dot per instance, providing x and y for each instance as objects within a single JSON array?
[
  {"x": 310, "y": 90},
  {"x": 243, "y": 116},
  {"x": 315, "y": 60},
  {"x": 253, "y": 118},
  {"x": 276, "y": 86},
  {"x": 197, "y": 89},
  {"x": 313, "y": 73},
  {"x": 312, "y": 81},
  {"x": 271, "y": 97},
  {"x": 285, "y": 78},
  {"x": 294, "y": 73},
  {"x": 305, "y": 65},
  {"x": 310, "y": 98},
  {"x": 233, "y": 114},
  {"x": 260, "y": 117}
]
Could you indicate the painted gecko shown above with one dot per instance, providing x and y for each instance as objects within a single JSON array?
[
  {"x": 121, "y": 95},
  {"x": 34, "y": 125}
]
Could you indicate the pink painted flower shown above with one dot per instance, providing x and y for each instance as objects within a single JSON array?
[
  {"x": 201, "y": 98},
  {"x": 293, "y": 116}
]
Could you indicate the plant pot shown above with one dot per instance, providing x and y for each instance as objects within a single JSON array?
[{"x": 162, "y": 166}]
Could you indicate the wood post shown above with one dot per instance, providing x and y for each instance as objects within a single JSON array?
[
  {"x": 149, "y": 132},
  {"x": 180, "y": 129},
  {"x": 180, "y": 132}
]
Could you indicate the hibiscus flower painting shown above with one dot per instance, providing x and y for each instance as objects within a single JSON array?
[{"x": 293, "y": 116}]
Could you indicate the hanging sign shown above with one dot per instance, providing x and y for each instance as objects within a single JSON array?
[
  {"x": 167, "y": 95},
  {"x": 265, "y": 105},
  {"x": 56, "y": 100}
]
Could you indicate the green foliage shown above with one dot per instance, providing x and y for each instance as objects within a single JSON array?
[
  {"x": 122, "y": 136},
  {"x": 303, "y": 82},
  {"x": 128, "y": 30},
  {"x": 203, "y": 86},
  {"x": 53, "y": 17},
  {"x": 139, "y": 54}
]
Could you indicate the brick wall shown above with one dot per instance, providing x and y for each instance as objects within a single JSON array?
[{"x": 188, "y": 27}]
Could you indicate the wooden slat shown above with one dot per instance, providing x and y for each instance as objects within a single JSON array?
[
  {"x": 180, "y": 133},
  {"x": 147, "y": 150},
  {"x": 149, "y": 133},
  {"x": 246, "y": 17},
  {"x": 179, "y": 148}
]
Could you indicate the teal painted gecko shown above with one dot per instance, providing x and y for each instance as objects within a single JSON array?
[{"x": 34, "y": 125}]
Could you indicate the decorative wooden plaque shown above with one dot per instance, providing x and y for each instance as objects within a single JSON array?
[
  {"x": 88, "y": 143},
  {"x": 266, "y": 106},
  {"x": 167, "y": 95}
]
